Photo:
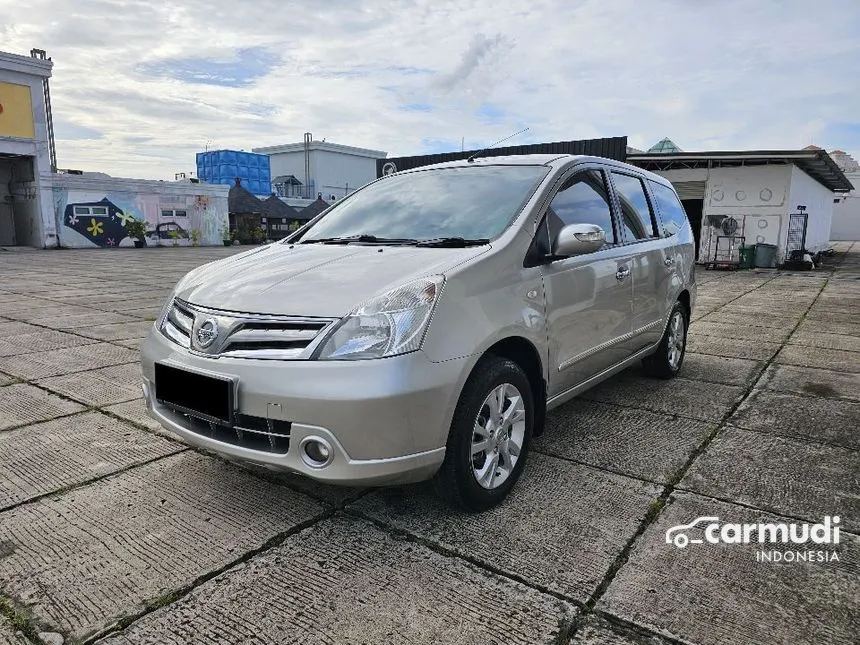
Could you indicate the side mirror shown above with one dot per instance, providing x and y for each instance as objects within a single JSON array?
[{"x": 578, "y": 239}]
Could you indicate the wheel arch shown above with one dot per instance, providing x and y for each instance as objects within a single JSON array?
[{"x": 523, "y": 352}]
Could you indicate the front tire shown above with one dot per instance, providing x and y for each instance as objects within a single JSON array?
[
  {"x": 666, "y": 362},
  {"x": 489, "y": 437}
]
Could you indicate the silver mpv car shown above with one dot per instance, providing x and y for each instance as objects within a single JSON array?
[{"x": 422, "y": 327}]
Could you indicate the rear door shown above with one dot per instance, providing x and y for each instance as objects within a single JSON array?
[
  {"x": 651, "y": 262},
  {"x": 675, "y": 228},
  {"x": 588, "y": 296}
]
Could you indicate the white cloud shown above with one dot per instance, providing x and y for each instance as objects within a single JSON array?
[{"x": 727, "y": 74}]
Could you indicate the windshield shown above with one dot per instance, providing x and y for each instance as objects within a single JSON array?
[{"x": 465, "y": 202}]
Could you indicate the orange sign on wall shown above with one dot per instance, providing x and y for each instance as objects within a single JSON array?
[{"x": 16, "y": 111}]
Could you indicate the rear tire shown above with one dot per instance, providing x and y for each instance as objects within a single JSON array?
[
  {"x": 489, "y": 438},
  {"x": 666, "y": 362}
]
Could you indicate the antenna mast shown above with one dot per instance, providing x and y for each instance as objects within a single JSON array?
[{"x": 472, "y": 158}]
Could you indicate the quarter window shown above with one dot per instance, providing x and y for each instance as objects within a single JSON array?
[
  {"x": 636, "y": 217},
  {"x": 583, "y": 199},
  {"x": 672, "y": 215}
]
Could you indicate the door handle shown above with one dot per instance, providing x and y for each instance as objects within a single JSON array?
[{"x": 622, "y": 273}]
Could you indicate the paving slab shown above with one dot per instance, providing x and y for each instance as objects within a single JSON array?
[
  {"x": 824, "y": 318},
  {"x": 724, "y": 330},
  {"x": 583, "y": 518},
  {"x": 827, "y": 341},
  {"x": 144, "y": 313},
  {"x": 811, "y": 381},
  {"x": 84, "y": 559},
  {"x": 134, "y": 343},
  {"x": 827, "y": 359},
  {"x": 594, "y": 630},
  {"x": 780, "y": 475},
  {"x": 100, "y": 387},
  {"x": 680, "y": 396},
  {"x": 21, "y": 404},
  {"x": 135, "y": 411},
  {"x": 67, "y": 361},
  {"x": 712, "y": 594},
  {"x": 40, "y": 341},
  {"x": 334, "y": 495},
  {"x": 6, "y": 379},
  {"x": 751, "y": 317},
  {"x": 720, "y": 369},
  {"x": 731, "y": 348},
  {"x": 366, "y": 587},
  {"x": 16, "y": 328},
  {"x": 117, "y": 331},
  {"x": 46, "y": 457},
  {"x": 633, "y": 442},
  {"x": 89, "y": 319},
  {"x": 801, "y": 417},
  {"x": 817, "y": 327}
]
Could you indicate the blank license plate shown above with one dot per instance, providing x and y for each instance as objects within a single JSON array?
[{"x": 208, "y": 397}]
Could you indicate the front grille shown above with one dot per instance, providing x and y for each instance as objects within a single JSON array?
[
  {"x": 254, "y": 433},
  {"x": 241, "y": 335}
]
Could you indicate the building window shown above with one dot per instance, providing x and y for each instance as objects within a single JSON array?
[
  {"x": 172, "y": 212},
  {"x": 95, "y": 211}
]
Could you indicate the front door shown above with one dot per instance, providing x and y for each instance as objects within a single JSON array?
[{"x": 589, "y": 297}]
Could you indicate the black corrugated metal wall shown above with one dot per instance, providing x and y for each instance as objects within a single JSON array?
[{"x": 610, "y": 147}]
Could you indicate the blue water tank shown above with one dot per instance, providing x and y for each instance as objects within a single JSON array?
[{"x": 225, "y": 166}]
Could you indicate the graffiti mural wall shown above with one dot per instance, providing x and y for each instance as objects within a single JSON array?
[{"x": 92, "y": 213}]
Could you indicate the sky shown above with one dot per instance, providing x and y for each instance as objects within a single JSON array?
[{"x": 139, "y": 87}]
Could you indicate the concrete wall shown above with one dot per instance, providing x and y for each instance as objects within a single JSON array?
[
  {"x": 93, "y": 211},
  {"x": 846, "y": 214},
  {"x": 39, "y": 230},
  {"x": 805, "y": 191}
]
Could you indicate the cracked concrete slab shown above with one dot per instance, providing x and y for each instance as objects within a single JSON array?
[
  {"x": 595, "y": 630},
  {"x": 46, "y": 457},
  {"x": 583, "y": 516},
  {"x": 67, "y": 361},
  {"x": 720, "y": 369},
  {"x": 693, "y": 399},
  {"x": 21, "y": 404},
  {"x": 82, "y": 560},
  {"x": 633, "y": 442},
  {"x": 730, "y": 347},
  {"x": 801, "y": 417},
  {"x": 811, "y": 382},
  {"x": 103, "y": 386},
  {"x": 6, "y": 379},
  {"x": 711, "y": 594},
  {"x": 832, "y": 359},
  {"x": 780, "y": 475},
  {"x": 369, "y": 587},
  {"x": 135, "y": 411}
]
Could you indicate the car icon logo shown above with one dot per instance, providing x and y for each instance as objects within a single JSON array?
[
  {"x": 206, "y": 333},
  {"x": 676, "y": 535}
]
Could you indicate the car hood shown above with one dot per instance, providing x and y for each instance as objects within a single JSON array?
[{"x": 312, "y": 279}]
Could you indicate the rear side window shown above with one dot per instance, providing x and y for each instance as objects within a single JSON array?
[
  {"x": 672, "y": 215},
  {"x": 583, "y": 199},
  {"x": 636, "y": 219}
]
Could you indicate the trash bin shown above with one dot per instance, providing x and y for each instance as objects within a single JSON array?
[
  {"x": 764, "y": 255},
  {"x": 747, "y": 257}
]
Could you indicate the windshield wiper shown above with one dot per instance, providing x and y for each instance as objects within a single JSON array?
[
  {"x": 370, "y": 239},
  {"x": 453, "y": 242}
]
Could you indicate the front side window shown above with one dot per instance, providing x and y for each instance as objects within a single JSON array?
[
  {"x": 636, "y": 218},
  {"x": 477, "y": 202},
  {"x": 672, "y": 215},
  {"x": 583, "y": 199}
]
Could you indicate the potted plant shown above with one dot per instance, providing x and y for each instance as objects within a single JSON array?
[
  {"x": 136, "y": 230},
  {"x": 174, "y": 235},
  {"x": 195, "y": 236},
  {"x": 227, "y": 235}
]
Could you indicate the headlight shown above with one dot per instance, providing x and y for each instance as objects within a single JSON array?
[
  {"x": 387, "y": 325},
  {"x": 168, "y": 305}
]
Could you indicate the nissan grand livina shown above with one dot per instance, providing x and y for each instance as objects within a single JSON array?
[{"x": 421, "y": 327}]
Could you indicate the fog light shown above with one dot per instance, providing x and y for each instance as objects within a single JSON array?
[{"x": 316, "y": 452}]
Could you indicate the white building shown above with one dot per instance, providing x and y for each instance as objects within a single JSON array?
[
  {"x": 846, "y": 207},
  {"x": 26, "y": 213},
  {"x": 317, "y": 168},
  {"x": 766, "y": 193}
]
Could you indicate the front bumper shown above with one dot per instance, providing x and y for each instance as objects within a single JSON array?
[{"x": 386, "y": 420}]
